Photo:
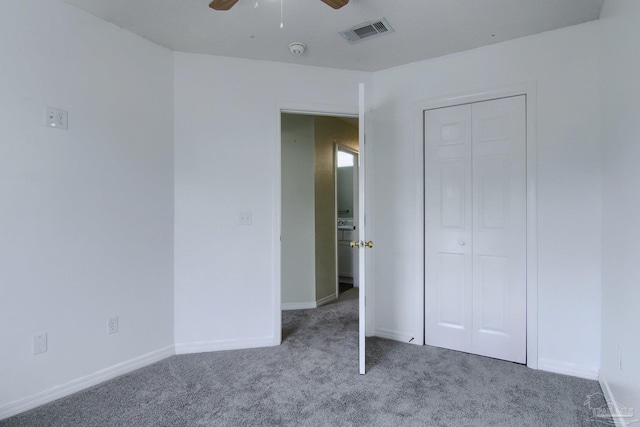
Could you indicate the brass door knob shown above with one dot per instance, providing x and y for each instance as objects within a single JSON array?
[
  {"x": 369, "y": 244},
  {"x": 355, "y": 244}
]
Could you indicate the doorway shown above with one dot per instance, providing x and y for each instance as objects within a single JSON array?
[
  {"x": 309, "y": 212},
  {"x": 476, "y": 228},
  {"x": 334, "y": 112}
]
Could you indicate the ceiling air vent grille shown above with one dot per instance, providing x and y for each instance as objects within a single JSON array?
[{"x": 367, "y": 30}]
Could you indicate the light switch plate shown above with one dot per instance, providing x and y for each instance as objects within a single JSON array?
[{"x": 57, "y": 118}]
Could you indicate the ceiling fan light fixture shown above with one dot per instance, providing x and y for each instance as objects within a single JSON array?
[
  {"x": 228, "y": 4},
  {"x": 336, "y": 4},
  {"x": 297, "y": 48},
  {"x": 222, "y": 4}
]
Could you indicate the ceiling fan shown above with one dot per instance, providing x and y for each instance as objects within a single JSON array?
[{"x": 228, "y": 4}]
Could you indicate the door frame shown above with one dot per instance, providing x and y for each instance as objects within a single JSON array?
[
  {"x": 528, "y": 89},
  {"x": 302, "y": 109}
]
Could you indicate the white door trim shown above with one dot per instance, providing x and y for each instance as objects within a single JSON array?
[
  {"x": 294, "y": 108},
  {"x": 529, "y": 89}
]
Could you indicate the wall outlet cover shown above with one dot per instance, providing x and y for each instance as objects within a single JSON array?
[
  {"x": 57, "y": 118},
  {"x": 112, "y": 325},
  {"x": 40, "y": 343}
]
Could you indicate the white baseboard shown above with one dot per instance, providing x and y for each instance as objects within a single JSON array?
[
  {"x": 82, "y": 383},
  {"x": 307, "y": 305},
  {"x": 565, "y": 368},
  {"x": 297, "y": 305},
  {"x": 621, "y": 421},
  {"x": 325, "y": 300},
  {"x": 207, "y": 346},
  {"x": 606, "y": 390},
  {"x": 608, "y": 396},
  {"x": 393, "y": 335}
]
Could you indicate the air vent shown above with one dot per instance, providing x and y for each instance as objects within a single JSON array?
[{"x": 367, "y": 30}]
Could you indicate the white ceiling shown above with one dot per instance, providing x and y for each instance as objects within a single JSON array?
[{"x": 423, "y": 28}]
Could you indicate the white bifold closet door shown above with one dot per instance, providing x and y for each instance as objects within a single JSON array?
[{"x": 475, "y": 228}]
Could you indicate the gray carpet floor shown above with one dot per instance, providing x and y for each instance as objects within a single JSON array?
[{"x": 312, "y": 380}]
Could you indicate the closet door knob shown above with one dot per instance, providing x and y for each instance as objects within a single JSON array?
[{"x": 461, "y": 242}]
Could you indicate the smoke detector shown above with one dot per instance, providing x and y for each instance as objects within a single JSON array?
[{"x": 297, "y": 48}]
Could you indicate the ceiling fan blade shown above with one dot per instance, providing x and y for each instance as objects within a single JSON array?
[
  {"x": 336, "y": 4},
  {"x": 222, "y": 4}
]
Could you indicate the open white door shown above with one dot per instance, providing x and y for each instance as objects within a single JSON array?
[{"x": 361, "y": 245}]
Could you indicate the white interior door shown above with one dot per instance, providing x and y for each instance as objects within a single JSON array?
[
  {"x": 361, "y": 246},
  {"x": 475, "y": 228}
]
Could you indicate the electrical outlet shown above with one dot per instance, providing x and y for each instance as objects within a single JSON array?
[
  {"x": 57, "y": 118},
  {"x": 40, "y": 343},
  {"x": 245, "y": 218},
  {"x": 112, "y": 325}
]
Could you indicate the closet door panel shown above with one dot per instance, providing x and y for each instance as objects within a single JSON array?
[
  {"x": 499, "y": 228},
  {"x": 448, "y": 303}
]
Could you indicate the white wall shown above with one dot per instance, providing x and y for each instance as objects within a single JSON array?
[
  {"x": 86, "y": 215},
  {"x": 227, "y": 159},
  {"x": 298, "y": 212},
  {"x": 620, "y": 68},
  {"x": 564, "y": 64}
]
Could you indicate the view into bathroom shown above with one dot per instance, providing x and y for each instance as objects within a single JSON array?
[{"x": 346, "y": 194}]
